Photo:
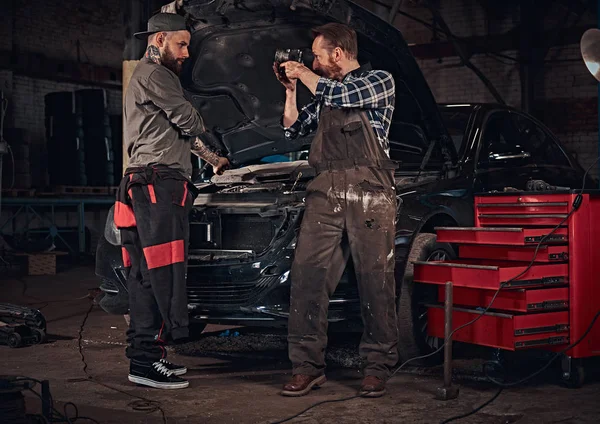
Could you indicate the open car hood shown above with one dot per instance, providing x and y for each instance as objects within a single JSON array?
[{"x": 230, "y": 78}]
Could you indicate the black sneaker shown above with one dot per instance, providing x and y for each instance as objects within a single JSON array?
[
  {"x": 175, "y": 369},
  {"x": 155, "y": 375}
]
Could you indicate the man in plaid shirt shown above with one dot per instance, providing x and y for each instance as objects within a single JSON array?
[
  {"x": 364, "y": 88},
  {"x": 351, "y": 207}
]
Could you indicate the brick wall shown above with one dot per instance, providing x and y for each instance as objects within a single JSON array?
[
  {"x": 566, "y": 92},
  {"x": 53, "y": 28},
  {"x": 83, "y": 31},
  {"x": 28, "y": 112}
]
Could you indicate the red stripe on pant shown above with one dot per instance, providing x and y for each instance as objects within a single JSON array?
[
  {"x": 126, "y": 257},
  {"x": 159, "y": 338},
  {"x": 164, "y": 254},
  {"x": 185, "y": 193},
  {"x": 152, "y": 193},
  {"x": 124, "y": 217}
]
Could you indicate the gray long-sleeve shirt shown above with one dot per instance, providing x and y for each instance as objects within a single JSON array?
[{"x": 159, "y": 121}]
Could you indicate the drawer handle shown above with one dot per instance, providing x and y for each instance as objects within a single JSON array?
[
  {"x": 550, "y": 341},
  {"x": 558, "y": 328},
  {"x": 521, "y": 205},
  {"x": 548, "y": 305},
  {"x": 546, "y": 281},
  {"x": 563, "y": 256},
  {"x": 552, "y": 238}
]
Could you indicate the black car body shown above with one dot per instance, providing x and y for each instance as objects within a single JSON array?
[{"x": 245, "y": 222}]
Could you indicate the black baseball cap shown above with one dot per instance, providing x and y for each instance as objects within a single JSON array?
[{"x": 163, "y": 22}]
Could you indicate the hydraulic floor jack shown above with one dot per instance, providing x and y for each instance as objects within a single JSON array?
[{"x": 21, "y": 326}]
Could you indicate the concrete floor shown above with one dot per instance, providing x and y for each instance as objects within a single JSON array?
[{"x": 237, "y": 379}]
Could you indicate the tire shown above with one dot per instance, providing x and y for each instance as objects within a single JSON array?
[
  {"x": 14, "y": 340},
  {"x": 40, "y": 336},
  {"x": 413, "y": 340}
]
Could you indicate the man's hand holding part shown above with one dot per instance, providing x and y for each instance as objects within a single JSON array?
[{"x": 297, "y": 71}]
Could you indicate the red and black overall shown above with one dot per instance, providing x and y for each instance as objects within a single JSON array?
[{"x": 152, "y": 209}]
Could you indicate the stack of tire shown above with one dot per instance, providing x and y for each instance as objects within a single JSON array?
[
  {"x": 79, "y": 133},
  {"x": 66, "y": 151},
  {"x": 93, "y": 127}
]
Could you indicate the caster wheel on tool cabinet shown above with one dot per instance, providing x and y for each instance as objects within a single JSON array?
[{"x": 573, "y": 375}]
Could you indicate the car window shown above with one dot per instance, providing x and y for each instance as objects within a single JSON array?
[
  {"x": 542, "y": 145},
  {"x": 456, "y": 120},
  {"x": 408, "y": 145},
  {"x": 511, "y": 139}
]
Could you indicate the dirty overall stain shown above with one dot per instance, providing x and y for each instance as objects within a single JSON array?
[{"x": 350, "y": 210}]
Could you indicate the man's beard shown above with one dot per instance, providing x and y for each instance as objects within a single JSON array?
[
  {"x": 169, "y": 61},
  {"x": 331, "y": 71}
]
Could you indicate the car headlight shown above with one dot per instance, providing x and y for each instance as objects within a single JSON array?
[
  {"x": 292, "y": 244},
  {"x": 284, "y": 277}
]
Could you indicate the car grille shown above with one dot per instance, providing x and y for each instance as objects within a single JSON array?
[
  {"x": 239, "y": 231},
  {"x": 228, "y": 294},
  {"x": 247, "y": 232}
]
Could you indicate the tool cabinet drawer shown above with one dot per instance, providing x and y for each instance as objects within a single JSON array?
[
  {"x": 501, "y": 236},
  {"x": 515, "y": 253},
  {"x": 526, "y": 210},
  {"x": 488, "y": 274},
  {"x": 504, "y": 331},
  {"x": 527, "y": 202},
  {"x": 518, "y": 300}
]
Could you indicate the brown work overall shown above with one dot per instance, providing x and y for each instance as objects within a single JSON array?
[{"x": 353, "y": 195}]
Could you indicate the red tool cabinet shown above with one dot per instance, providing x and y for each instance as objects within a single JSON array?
[{"x": 552, "y": 304}]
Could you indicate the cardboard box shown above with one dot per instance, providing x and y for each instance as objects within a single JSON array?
[{"x": 41, "y": 263}]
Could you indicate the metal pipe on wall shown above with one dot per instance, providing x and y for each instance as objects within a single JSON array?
[{"x": 526, "y": 52}]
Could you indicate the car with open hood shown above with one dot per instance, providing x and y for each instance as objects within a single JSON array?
[{"x": 244, "y": 223}]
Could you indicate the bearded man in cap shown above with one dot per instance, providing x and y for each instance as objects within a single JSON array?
[{"x": 154, "y": 200}]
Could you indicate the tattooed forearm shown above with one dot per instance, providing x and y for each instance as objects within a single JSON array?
[
  {"x": 200, "y": 149},
  {"x": 153, "y": 54}
]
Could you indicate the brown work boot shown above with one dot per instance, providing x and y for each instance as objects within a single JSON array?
[
  {"x": 301, "y": 384},
  {"x": 372, "y": 386}
]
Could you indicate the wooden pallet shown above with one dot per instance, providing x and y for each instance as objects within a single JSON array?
[{"x": 18, "y": 192}]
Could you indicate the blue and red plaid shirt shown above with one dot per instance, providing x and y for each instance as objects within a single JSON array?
[{"x": 363, "y": 88}]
